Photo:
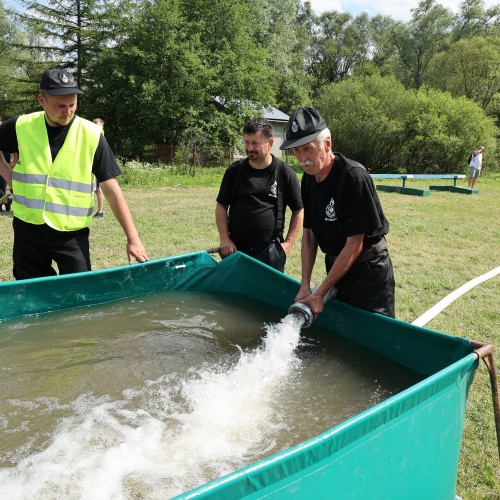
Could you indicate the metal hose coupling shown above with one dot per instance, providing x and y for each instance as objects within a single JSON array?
[{"x": 303, "y": 312}]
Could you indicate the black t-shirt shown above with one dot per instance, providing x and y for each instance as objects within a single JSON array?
[
  {"x": 344, "y": 204},
  {"x": 252, "y": 195},
  {"x": 104, "y": 166}
]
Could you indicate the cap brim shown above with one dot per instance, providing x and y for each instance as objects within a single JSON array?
[
  {"x": 64, "y": 91},
  {"x": 295, "y": 143}
]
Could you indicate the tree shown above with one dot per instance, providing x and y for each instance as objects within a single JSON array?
[
  {"x": 6, "y": 65},
  {"x": 145, "y": 86},
  {"x": 470, "y": 68},
  {"x": 275, "y": 29},
  {"x": 338, "y": 45},
  {"x": 69, "y": 33},
  {"x": 417, "y": 42},
  {"x": 16, "y": 96},
  {"x": 5, "y": 31},
  {"x": 272, "y": 26},
  {"x": 239, "y": 79},
  {"x": 341, "y": 44},
  {"x": 180, "y": 75},
  {"x": 295, "y": 89},
  {"x": 238, "y": 64},
  {"x": 381, "y": 49},
  {"x": 474, "y": 20}
]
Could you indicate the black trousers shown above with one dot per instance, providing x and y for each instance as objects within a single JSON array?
[
  {"x": 368, "y": 285},
  {"x": 37, "y": 246},
  {"x": 271, "y": 254}
]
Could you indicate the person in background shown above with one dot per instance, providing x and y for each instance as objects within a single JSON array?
[
  {"x": 98, "y": 193},
  {"x": 5, "y": 205},
  {"x": 475, "y": 166},
  {"x": 253, "y": 196},
  {"x": 53, "y": 183},
  {"x": 344, "y": 218},
  {"x": 4, "y": 190}
]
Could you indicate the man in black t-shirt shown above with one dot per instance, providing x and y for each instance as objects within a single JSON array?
[
  {"x": 253, "y": 196},
  {"x": 344, "y": 218},
  {"x": 53, "y": 204}
]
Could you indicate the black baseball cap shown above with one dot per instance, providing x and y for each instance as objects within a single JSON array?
[
  {"x": 303, "y": 127},
  {"x": 59, "y": 82}
]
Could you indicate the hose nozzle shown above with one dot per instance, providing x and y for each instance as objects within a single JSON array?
[{"x": 303, "y": 312}]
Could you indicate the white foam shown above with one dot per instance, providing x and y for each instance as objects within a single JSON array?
[{"x": 165, "y": 437}]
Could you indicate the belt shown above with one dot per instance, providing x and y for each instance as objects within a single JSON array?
[
  {"x": 367, "y": 254},
  {"x": 372, "y": 252},
  {"x": 262, "y": 247}
]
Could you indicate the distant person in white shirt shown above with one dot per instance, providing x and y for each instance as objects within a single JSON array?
[{"x": 475, "y": 166}]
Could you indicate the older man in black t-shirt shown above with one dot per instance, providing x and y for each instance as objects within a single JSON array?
[
  {"x": 253, "y": 196},
  {"x": 343, "y": 216}
]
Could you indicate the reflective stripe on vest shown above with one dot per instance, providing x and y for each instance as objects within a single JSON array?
[{"x": 60, "y": 192}]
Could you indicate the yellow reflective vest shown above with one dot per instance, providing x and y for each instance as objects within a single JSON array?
[{"x": 58, "y": 193}]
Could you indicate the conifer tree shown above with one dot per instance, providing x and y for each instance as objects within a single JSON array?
[{"x": 68, "y": 33}]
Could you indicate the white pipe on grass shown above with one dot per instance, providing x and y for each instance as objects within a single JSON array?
[{"x": 444, "y": 303}]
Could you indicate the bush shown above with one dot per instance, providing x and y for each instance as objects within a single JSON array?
[
  {"x": 365, "y": 118},
  {"x": 441, "y": 131},
  {"x": 387, "y": 128},
  {"x": 293, "y": 162}
]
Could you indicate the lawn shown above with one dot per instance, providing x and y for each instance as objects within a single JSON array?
[{"x": 437, "y": 244}]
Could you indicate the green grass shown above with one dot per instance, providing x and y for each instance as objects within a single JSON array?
[
  {"x": 148, "y": 175},
  {"x": 437, "y": 244}
]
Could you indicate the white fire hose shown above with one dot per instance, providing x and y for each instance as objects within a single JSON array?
[
  {"x": 444, "y": 303},
  {"x": 483, "y": 351}
]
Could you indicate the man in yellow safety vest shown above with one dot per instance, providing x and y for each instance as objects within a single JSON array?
[{"x": 60, "y": 156}]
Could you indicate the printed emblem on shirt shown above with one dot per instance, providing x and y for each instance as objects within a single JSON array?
[
  {"x": 274, "y": 190},
  {"x": 330, "y": 215}
]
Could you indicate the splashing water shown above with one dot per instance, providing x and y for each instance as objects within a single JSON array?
[{"x": 169, "y": 435}]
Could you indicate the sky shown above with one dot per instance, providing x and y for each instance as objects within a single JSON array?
[{"x": 397, "y": 9}]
